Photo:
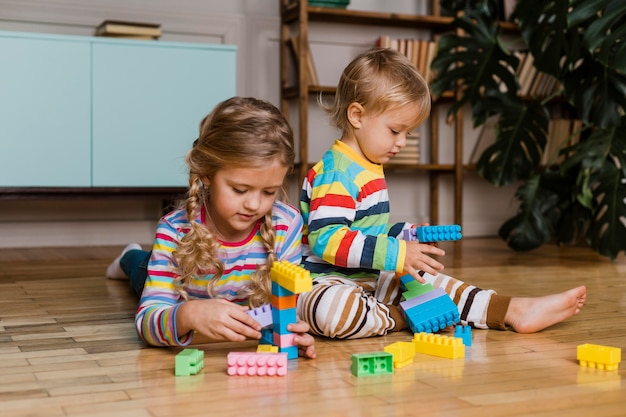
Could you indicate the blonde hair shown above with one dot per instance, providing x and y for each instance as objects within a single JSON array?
[
  {"x": 379, "y": 79},
  {"x": 239, "y": 132}
]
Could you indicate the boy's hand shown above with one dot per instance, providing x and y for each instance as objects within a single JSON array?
[
  {"x": 305, "y": 342},
  {"x": 417, "y": 258}
]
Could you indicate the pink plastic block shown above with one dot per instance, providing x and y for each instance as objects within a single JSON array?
[
  {"x": 284, "y": 340},
  {"x": 254, "y": 363}
]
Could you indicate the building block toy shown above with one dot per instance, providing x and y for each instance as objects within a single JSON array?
[
  {"x": 189, "y": 362},
  {"x": 267, "y": 337},
  {"x": 288, "y": 280},
  {"x": 598, "y": 356},
  {"x": 426, "y": 234},
  {"x": 464, "y": 333},
  {"x": 432, "y": 315},
  {"x": 403, "y": 353},
  {"x": 267, "y": 349},
  {"x": 262, "y": 314},
  {"x": 439, "y": 345},
  {"x": 374, "y": 363},
  {"x": 291, "y": 277},
  {"x": 253, "y": 363},
  {"x": 285, "y": 301}
]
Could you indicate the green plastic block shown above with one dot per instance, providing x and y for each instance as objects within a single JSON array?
[
  {"x": 374, "y": 363},
  {"x": 189, "y": 362}
]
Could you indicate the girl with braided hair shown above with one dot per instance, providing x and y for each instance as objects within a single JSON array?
[{"x": 211, "y": 257}]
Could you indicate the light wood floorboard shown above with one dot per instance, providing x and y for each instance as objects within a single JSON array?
[{"x": 68, "y": 348}]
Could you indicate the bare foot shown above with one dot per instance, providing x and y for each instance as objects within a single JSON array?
[{"x": 532, "y": 314}]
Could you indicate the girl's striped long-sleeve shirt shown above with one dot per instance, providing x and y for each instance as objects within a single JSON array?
[
  {"x": 345, "y": 207},
  {"x": 156, "y": 316}
]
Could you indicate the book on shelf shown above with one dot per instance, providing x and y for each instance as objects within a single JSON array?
[
  {"x": 310, "y": 65},
  {"x": 122, "y": 29},
  {"x": 419, "y": 51},
  {"x": 561, "y": 134}
]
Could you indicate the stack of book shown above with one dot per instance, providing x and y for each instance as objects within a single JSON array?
[
  {"x": 131, "y": 30},
  {"x": 419, "y": 51},
  {"x": 410, "y": 154},
  {"x": 534, "y": 83}
]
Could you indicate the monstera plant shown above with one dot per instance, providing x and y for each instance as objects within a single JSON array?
[{"x": 582, "y": 43}]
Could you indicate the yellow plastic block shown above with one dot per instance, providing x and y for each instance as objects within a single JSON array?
[
  {"x": 291, "y": 277},
  {"x": 403, "y": 353},
  {"x": 598, "y": 356},
  {"x": 439, "y": 345},
  {"x": 267, "y": 349}
]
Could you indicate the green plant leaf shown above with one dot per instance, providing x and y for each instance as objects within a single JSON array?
[
  {"x": 604, "y": 33},
  {"x": 544, "y": 28},
  {"x": 521, "y": 138},
  {"x": 607, "y": 234},
  {"x": 597, "y": 92},
  {"x": 477, "y": 61},
  {"x": 536, "y": 221}
]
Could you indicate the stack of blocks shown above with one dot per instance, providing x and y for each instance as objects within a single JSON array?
[
  {"x": 427, "y": 309},
  {"x": 288, "y": 280}
]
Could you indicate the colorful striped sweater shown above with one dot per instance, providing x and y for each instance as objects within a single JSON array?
[
  {"x": 156, "y": 316},
  {"x": 345, "y": 207}
]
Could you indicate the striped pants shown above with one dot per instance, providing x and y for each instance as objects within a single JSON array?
[{"x": 344, "y": 308}]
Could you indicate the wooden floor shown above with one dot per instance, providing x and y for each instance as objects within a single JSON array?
[{"x": 68, "y": 348}]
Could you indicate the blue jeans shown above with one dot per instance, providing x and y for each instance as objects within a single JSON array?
[{"x": 135, "y": 264}]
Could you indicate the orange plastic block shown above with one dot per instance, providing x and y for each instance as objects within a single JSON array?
[
  {"x": 403, "y": 353},
  {"x": 598, "y": 356},
  {"x": 438, "y": 345},
  {"x": 291, "y": 277},
  {"x": 284, "y": 302},
  {"x": 253, "y": 363}
]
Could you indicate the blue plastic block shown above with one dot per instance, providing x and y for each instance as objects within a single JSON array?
[
  {"x": 432, "y": 316},
  {"x": 374, "y": 363},
  {"x": 427, "y": 234},
  {"x": 281, "y": 318},
  {"x": 291, "y": 351},
  {"x": 267, "y": 336},
  {"x": 464, "y": 333}
]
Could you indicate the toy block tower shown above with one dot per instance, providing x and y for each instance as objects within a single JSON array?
[
  {"x": 288, "y": 280},
  {"x": 425, "y": 308}
]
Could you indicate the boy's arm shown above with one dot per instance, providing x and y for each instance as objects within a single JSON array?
[{"x": 332, "y": 237}]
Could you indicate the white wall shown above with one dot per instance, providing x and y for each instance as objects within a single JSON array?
[{"x": 252, "y": 25}]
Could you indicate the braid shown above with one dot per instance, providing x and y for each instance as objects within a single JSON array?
[
  {"x": 197, "y": 250},
  {"x": 260, "y": 288}
]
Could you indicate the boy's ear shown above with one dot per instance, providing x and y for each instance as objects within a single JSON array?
[{"x": 355, "y": 112}]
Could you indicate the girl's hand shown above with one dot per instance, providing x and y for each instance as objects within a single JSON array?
[
  {"x": 417, "y": 258},
  {"x": 217, "y": 319},
  {"x": 305, "y": 342}
]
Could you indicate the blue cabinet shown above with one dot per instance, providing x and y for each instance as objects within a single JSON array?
[{"x": 101, "y": 112}]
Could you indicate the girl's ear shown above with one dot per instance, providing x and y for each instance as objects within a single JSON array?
[
  {"x": 354, "y": 113},
  {"x": 205, "y": 181}
]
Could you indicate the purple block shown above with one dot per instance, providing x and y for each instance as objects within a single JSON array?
[
  {"x": 262, "y": 314},
  {"x": 431, "y": 295}
]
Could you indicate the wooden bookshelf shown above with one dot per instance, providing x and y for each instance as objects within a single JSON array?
[{"x": 295, "y": 16}]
